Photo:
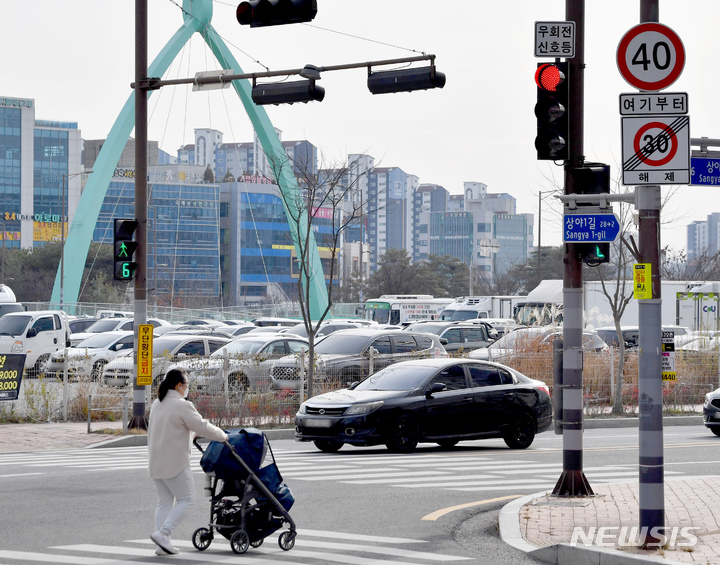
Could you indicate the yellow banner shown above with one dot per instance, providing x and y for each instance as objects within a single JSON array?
[
  {"x": 145, "y": 355},
  {"x": 642, "y": 281}
]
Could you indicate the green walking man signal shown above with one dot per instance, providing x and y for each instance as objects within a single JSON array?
[{"x": 123, "y": 249}]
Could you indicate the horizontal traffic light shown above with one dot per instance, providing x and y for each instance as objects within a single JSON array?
[
  {"x": 261, "y": 13},
  {"x": 405, "y": 80},
  {"x": 287, "y": 92}
]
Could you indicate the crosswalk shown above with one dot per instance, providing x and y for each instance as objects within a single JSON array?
[
  {"x": 454, "y": 471},
  {"x": 311, "y": 546}
]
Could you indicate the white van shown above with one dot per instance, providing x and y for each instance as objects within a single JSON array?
[{"x": 34, "y": 334}]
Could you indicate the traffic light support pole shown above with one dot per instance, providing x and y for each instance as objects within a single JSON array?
[{"x": 572, "y": 481}]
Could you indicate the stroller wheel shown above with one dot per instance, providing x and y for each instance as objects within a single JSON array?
[
  {"x": 286, "y": 541},
  {"x": 239, "y": 542},
  {"x": 257, "y": 542},
  {"x": 202, "y": 538}
]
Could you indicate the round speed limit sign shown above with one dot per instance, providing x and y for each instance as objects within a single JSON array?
[{"x": 650, "y": 56}]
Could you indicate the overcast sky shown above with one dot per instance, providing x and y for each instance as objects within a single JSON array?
[{"x": 76, "y": 59}]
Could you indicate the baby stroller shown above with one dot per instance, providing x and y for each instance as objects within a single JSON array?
[{"x": 248, "y": 500}]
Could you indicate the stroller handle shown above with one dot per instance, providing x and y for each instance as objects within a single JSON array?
[{"x": 196, "y": 443}]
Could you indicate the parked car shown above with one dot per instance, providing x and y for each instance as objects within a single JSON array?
[
  {"x": 249, "y": 361},
  {"x": 460, "y": 336},
  {"x": 112, "y": 324},
  {"x": 326, "y": 327},
  {"x": 270, "y": 321},
  {"x": 78, "y": 325},
  {"x": 711, "y": 411},
  {"x": 167, "y": 349},
  {"x": 631, "y": 334},
  {"x": 35, "y": 334},
  {"x": 345, "y": 355},
  {"x": 429, "y": 400},
  {"x": 533, "y": 340},
  {"x": 89, "y": 357}
]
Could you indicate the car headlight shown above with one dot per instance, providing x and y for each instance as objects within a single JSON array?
[
  {"x": 302, "y": 409},
  {"x": 364, "y": 408},
  {"x": 17, "y": 347}
]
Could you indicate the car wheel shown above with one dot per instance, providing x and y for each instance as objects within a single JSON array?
[
  {"x": 447, "y": 443},
  {"x": 97, "y": 370},
  {"x": 328, "y": 445},
  {"x": 715, "y": 430},
  {"x": 349, "y": 376},
  {"x": 39, "y": 367},
  {"x": 237, "y": 382},
  {"x": 404, "y": 434},
  {"x": 521, "y": 431}
]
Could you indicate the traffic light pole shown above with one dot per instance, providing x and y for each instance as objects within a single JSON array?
[
  {"x": 651, "y": 459},
  {"x": 572, "y": 482},
  {"x": 138, "y": 420}
]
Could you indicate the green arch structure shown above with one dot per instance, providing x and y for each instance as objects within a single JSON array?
[{"x": 197, "y": 15}]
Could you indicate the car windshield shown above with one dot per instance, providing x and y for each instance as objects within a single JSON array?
[
  {"x": 106, "y": 325},
  {"x": 13, "y": 325},
  {"x": 97, "y": 341},
  {"x": 163, "y": 344},
  {"x": 239, "y": 347},
  {"x": 427, "y": 328},
  {"x": 398, "y": 377},
  {"x": 339, "y": 342}
]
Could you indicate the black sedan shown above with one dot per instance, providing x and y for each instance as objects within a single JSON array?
[{"x": 429, "y": 400}]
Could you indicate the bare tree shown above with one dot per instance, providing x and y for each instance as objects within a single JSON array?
[{"x": 328, "y": 200}]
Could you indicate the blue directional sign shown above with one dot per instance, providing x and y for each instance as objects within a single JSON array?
[
  {"x": 705, "y": 171},
  {"x": 590, "y": 227}
]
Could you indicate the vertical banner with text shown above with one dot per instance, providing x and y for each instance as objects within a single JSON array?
[{"x": 145, "y": 355}]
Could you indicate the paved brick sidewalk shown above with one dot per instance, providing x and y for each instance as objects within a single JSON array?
[
  {"x": 34, "y": 437},
  {"x": 546, "y": 520}
]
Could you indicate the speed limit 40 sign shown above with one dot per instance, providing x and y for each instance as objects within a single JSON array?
[
  {"x": 656, "y": 149},
  {"x": 650, "y": 56}
]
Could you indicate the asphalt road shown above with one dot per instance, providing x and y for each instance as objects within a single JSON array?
[{"x": 361, "y": 506}]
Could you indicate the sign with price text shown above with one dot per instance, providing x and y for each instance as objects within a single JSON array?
[{"x": 11, "y": 370}]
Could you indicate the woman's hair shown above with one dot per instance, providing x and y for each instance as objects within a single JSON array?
[{"x": 173, "y": 378}]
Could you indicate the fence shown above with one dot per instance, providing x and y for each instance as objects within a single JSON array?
[{"x": 237, "y": 391}]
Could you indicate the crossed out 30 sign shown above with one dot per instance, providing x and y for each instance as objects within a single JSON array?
[{"x": 656, "y": 149}]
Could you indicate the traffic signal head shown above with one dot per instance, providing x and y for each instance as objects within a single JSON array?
[
  {"x": 593, "y": 254},
  {"x": 123, "y": 249},
  {"x": 551, "y": 111},
  {"x": 287, "y": 92},
  {"x": 405, "y": 80},
  {"x": 261, "y": 13}
]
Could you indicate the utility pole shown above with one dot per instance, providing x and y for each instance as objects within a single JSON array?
[
  {"x": 138, "y": 420},
  {"x": 572, "y": 481},
  {"x": 651, "y": 459}
]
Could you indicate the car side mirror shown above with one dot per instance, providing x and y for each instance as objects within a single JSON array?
[
  {"x": 32, "y": 332},
  {"x": 353, "y": 385},
  {"x": 435, "y": 387},
  {"x": 444, "y": 340}
]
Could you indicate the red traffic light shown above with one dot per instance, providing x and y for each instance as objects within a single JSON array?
[{"x": 549, "y": 77}]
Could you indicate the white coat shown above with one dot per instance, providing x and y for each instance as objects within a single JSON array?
[{"x": 170, "y": 433}]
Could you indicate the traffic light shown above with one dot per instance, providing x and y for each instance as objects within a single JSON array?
[
  {"x": 261, "y": 13},
  {"x": 592, "y": 178},
  {"x": 123, "y": 249},
  {"x": 406, "y": 80},
  {"x": 287, "y": 92},
  {"x": 552, "y": 111}
]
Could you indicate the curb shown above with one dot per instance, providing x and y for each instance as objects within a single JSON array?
[
  {"x": 140, "y": 440},
  {"x": 562, "y": 553},
  {"x": 594, "y": 423}
]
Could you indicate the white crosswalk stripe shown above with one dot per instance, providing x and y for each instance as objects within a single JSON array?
[
  {"x": 311, "y": 546},
  {"x": 461, "y": 470}
]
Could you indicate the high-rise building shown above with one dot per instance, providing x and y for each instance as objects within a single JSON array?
[{"x": 703, "y": 237}]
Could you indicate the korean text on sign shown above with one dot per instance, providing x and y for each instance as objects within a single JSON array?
[
  {"x": 555, "y": 39},
  {"x": 636, "y": 104}
]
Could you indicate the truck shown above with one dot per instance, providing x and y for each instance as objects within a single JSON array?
[
  {"x": 8, "y": 302},
  {"x": 544, "y": 304},
  {"x": 36, "y": 335},
  {"x": 697, "y": 308},
  {"x": 470, "y": 308},
  {"x": 403, "y": 309}
]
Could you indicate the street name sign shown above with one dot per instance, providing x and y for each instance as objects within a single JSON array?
[
  {"x": 705, "y": 171},
  {"x": 555, "y": 39},
  {"x": 595, "y": 228},
  {"x": 656, "y": 149},
  {"x": 650, "y": 56},
  {"x": 643, "y": 103}
]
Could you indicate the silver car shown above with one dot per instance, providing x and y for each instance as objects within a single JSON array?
[
  {"x": 89, "y": 357},
  {"x": 248, "y": 361}
]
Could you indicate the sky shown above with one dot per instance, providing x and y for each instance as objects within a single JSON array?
[{"x": 75, "y": 58}]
